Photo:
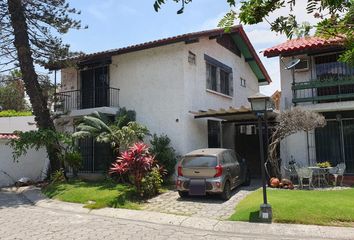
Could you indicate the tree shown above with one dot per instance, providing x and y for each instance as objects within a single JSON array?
[
  {"x": 336, "y": 18},
  {"x": 12, "y": 94},
  {"x": 120, "y": 134},
  {"x": 35, "y": 139},
  {"x": 291, "y": 122},
  {"x": 26, "y": 39}
]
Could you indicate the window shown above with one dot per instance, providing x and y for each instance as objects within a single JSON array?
[
  {"x": 191, "y": 58},
  {"x": 224, "y": 82},
  {"x": 328, "y": 67},
  {"x": 199, "y": 161},
  {"x": 243, "y": 82},
  {"x": 218, "y": 76},
  {"x": 211, "y": 75}
]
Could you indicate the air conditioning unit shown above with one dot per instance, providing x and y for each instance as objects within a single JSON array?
[{"x": 303, "y": 65}]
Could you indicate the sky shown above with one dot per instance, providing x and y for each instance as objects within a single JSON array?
[{"x": 118, "y": 23}]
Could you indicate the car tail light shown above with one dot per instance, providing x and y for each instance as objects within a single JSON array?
[
  {"x": 218, "y": 184},
  {"x": 218, "y": 169},
  {"x": 179, "y": 183},
  {"x": 179, "y": 171}
]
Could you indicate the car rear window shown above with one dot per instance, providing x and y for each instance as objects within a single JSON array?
[{"x": 199, "y": 161}]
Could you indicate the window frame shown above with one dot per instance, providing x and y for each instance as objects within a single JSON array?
[
  {"x": 243, "y": 82},
  {"x": 223, "y": 82}
]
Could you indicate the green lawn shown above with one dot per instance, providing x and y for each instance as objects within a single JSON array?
[
  {"x": 334, "y": 208},
  {"x": 100, "y": 194}
]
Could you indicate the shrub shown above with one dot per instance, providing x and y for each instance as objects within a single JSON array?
[
  {"x": 136, "y": 161},
  {"x": 74, "y": 160},
  {"x": 13, "y": 113},
  {"x": 151, "y": 183},
  {"x": 164, "y": 153},
  {"x": 58, "y": 176}
]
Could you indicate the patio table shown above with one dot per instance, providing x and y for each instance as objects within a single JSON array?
[{"x": 321, "y": 174}]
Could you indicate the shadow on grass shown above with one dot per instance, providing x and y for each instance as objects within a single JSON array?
[{"x": 254, "y": 216}]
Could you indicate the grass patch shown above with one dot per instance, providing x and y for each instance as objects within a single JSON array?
[
  {"x": 94, "y": 194},
  {"x": 333, "y": 208}
]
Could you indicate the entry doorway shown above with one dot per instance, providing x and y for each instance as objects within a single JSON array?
[{"x": 247, "y": 145}]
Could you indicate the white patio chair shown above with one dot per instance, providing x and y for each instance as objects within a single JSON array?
[
  {"x": 338, "y": 171},
  {"x": 304, "y": 173}
]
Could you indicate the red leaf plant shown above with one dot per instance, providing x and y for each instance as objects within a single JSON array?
[{"x": 137, "y": 161}]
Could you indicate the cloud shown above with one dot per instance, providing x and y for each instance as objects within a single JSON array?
[{"x": 263, "y": 36}]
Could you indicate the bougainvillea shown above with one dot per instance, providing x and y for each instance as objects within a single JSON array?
[{"x": 137, "y": 161}]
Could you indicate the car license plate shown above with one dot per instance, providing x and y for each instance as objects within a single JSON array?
[{"x": 197, "y": 187}]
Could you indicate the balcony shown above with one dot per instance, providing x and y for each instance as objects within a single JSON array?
[
  {"x": 324, "y": 91},
  {"x": 86, "y": 99}
]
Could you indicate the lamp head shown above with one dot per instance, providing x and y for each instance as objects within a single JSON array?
[{"x": 259, "y": 102}]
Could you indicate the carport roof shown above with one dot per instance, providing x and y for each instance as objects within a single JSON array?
[{"x": 231, "y": 114}]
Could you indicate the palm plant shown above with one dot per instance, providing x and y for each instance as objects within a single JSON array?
[{"x": 120, "y": 135}]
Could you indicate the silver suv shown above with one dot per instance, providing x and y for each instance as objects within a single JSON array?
[{"x": 211, "y": 170}]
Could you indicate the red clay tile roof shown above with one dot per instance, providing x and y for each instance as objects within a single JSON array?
[
  {"x": 302, "y": 44},
  {"x": 8, "y": 136}
]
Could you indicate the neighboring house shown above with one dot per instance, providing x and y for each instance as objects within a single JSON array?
[
  {"x": 276, "y": 97},
  {"x": 33, "y": 165},
  {"x": 163, "y": 81},
  {"x": 323, "y": 84}
]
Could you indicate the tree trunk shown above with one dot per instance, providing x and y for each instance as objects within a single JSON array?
[{"x": 30, "y": 77}]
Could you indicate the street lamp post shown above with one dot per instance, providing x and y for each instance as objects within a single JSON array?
[{"x": 259, "y": 105}]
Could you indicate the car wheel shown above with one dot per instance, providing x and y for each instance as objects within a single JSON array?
[
  {"x": 226, "y": 193},
  {"x": 183, "y": 194},
  {"x": 248, "y": 179}
]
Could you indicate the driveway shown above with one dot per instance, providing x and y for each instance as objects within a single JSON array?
[{"x": 210, "y": 206}]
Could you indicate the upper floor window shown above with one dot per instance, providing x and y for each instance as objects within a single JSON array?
[
  {"x": 243, "y": 82},
  {"x": 218, "y": 76},
  {"x": 328, "y": 67}
]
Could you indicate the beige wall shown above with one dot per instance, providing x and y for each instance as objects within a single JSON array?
[{"x": 69, "y": 79}]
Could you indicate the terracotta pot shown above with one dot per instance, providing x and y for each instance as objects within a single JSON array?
[{"x": 274, "y": 182}]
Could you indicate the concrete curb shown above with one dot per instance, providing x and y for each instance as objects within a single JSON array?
[{"x": 296, "y": 231}]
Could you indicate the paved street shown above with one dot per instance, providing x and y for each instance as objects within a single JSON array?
[
  {"x": 206, "y": 207},
  {"x": 20, "y": 219}
]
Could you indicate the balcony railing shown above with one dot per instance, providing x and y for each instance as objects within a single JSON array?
[
  {"x": 87, "y": 98},
  {"x": 322, "y": 91}
]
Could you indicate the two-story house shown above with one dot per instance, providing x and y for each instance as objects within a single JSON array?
[
  {"x": 163, "y": 81},
  {"x": 321, "y": 83}
]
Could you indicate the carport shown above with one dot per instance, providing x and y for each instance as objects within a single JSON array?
[{"x": 237, "y": 129}]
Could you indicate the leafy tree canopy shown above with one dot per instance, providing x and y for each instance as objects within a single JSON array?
[
  {"x": 46, "y": 21},
  {"x": 336, "y": 18}
]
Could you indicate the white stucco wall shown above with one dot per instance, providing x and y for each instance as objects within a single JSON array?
[
  {"x": 33, "y": 165},
  {"x": 197, "y": 97},
  {"x": 162, "y": 87},
  {"x": 151, "y": 83}
]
